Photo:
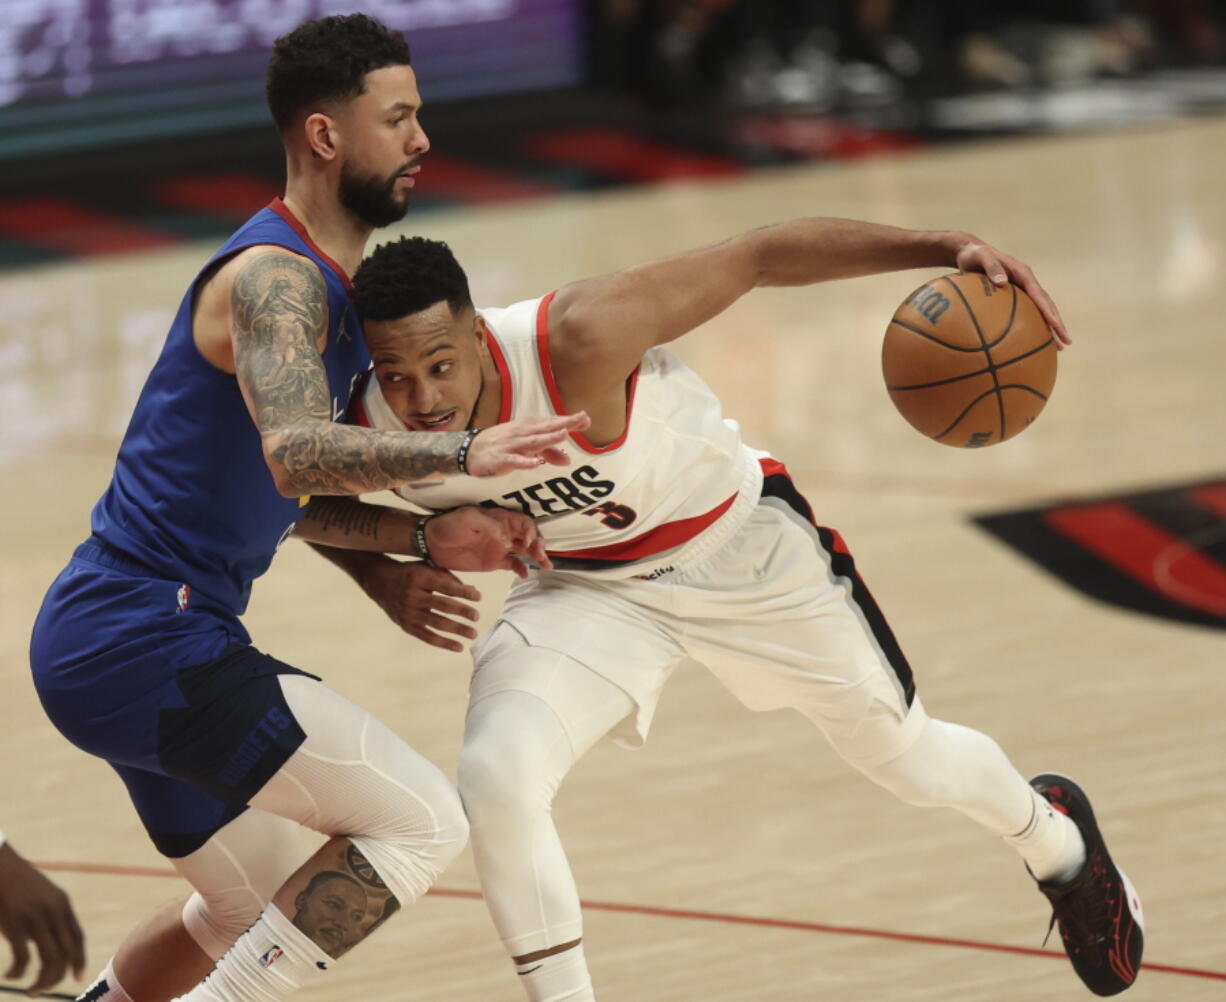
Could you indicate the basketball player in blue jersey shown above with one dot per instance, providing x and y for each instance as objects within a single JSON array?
[
  {"x": 138, "y": 653},
  {"x": 671, "y": 539}
]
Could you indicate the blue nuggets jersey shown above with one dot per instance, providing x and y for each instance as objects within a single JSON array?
[{"x": 192, "y": 498}]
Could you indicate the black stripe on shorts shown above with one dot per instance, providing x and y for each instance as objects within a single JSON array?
[{"x": 779, "y": 485}]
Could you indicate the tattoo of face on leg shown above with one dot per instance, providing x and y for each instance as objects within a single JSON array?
[{"x": 339, "y": 908}]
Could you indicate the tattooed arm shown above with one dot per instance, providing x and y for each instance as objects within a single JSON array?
[
  {"x": 470, "y": 538},
  {"x": 350, "y": 524},
  {"x": 279, "y": 315}
]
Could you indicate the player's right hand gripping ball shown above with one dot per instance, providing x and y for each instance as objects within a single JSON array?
[{"x": 968, "y": 363}]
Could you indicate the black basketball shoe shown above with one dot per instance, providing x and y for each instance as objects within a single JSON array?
[{"x": 1098, "y": 911}]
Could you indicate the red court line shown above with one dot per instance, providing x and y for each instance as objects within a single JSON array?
[{"x": 697, "y": 916}]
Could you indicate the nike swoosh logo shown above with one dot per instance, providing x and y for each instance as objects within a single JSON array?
[{"x": 530, "y": 970}]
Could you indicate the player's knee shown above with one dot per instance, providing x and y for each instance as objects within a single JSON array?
[
  {"x": 938, "y": 770},
  {"x": 215, "y": 922},
  {"x": 410, "y": 844},
  {"x": 499, "y": 781}
]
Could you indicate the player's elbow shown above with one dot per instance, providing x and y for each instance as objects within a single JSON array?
[{"x": 284, "y": 456}]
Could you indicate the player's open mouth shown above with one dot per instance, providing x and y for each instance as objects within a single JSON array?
[
  {"x": 408, "y": 178},
  {"x": 433, "y": 424}
]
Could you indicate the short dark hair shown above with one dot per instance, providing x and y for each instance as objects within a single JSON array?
[
  {"x": 407, "y": 276},
  {"x": 323, "y": 876},
  {"x": 327, "y": 60}
]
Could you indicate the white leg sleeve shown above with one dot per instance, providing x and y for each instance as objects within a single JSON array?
[
  {"x": 949, "y": 765},
  {"x": 518, "y": 746},
  {"x": 354, "y": 777},
  {"x": 235, "y": 874}
]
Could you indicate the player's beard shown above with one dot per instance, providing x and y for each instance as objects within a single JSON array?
[{"x": 372, "y": 199}]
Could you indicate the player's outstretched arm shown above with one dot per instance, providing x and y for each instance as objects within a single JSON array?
[
  {"x": 604, "y": 324},
  {"x": 470, "y": 538},
  {"x": 279, "y": 313},
  {"x": 34, "y": 911},
  {"x": 426, "y": 601}
]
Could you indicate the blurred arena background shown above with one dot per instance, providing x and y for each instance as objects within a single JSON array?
[{"x": 734, "y": 858}]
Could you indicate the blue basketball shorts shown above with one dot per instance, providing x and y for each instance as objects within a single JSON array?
[{"x": 132, "y": 668}]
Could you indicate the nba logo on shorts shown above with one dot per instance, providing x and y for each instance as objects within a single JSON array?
[
  {"x": 184, "y": 595},
  {"x": 272, "y": 956}
]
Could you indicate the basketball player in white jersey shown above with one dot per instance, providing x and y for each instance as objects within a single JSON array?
[{"x": 671, "y": 539}]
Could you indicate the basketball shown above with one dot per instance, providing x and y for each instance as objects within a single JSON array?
[{"x": 968, "y": 363}]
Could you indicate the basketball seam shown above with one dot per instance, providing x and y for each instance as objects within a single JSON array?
[
  {"x": 932, "y": 337},
  {"x": 1000, "y": 401},
  {"x": 1012, "y": 316},
  {"x": 1007, "y": 386},
  {"x": 992, "y": 367}
]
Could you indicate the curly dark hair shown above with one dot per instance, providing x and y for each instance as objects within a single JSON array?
[
  {"x": 327, "y": 60},
  {"x": 408, "y": 275}
]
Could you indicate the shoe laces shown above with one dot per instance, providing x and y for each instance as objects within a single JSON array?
[{"x": 1083, "y": 910}]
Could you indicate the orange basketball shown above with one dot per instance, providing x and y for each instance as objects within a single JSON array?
[{"x": 968, "y": 363}]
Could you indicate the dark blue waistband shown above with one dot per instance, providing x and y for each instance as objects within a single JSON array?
[{"x": 98, "y": 551}]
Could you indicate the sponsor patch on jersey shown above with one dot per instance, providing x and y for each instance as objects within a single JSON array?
[{"x": 1159, "y": 552}]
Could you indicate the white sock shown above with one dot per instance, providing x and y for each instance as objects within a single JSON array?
[
  {"x": 106, "y": 989},
  {"x": 561, "y": 978},
  {"x": 1051, "y": 844},
  {"x": 270, "y": 960}
]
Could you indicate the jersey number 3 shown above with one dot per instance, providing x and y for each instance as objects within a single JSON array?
[{"x": 615, "y": 516}]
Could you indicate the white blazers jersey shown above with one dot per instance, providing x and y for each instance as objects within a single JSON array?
[{"x": 674, "y": 487}]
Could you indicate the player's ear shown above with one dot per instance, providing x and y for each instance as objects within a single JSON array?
[
  {"x": 320, "y": 136},
  {"x": 480, "y": 331}
]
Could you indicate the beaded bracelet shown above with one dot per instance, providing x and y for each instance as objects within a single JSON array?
[{"x": 461, "y": 456}]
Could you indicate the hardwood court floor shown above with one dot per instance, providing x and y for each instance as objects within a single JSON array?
[{"x": 741, "y": 859}]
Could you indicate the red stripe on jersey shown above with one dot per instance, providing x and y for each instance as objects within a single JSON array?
[
  {"x": 663, "y": 537},
  {"x": 1144, "y": 551},
  {"x": 360, "y": 417},
  {"x": 555, "y": 397},
  {"x": 504, "y": 374},
  {"x": 355, "y": 413},
  {"x": 282, "y": 210}
]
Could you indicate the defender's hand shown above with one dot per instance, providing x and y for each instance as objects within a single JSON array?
[
  {"x": 523, "y": 444},
  {"x": 1001, "y": 269},
  {"x": 420, "y": 599},
  {"x": 34, "y": 910},
  {"x": 485, "y": 539}
]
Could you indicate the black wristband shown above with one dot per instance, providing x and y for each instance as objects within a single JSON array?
[
  {"x": 419, "y": 536},
  {"x": 461, "y": 456}
]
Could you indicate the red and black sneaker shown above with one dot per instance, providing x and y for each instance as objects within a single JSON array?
[{"x": 1098, "y": 911}]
